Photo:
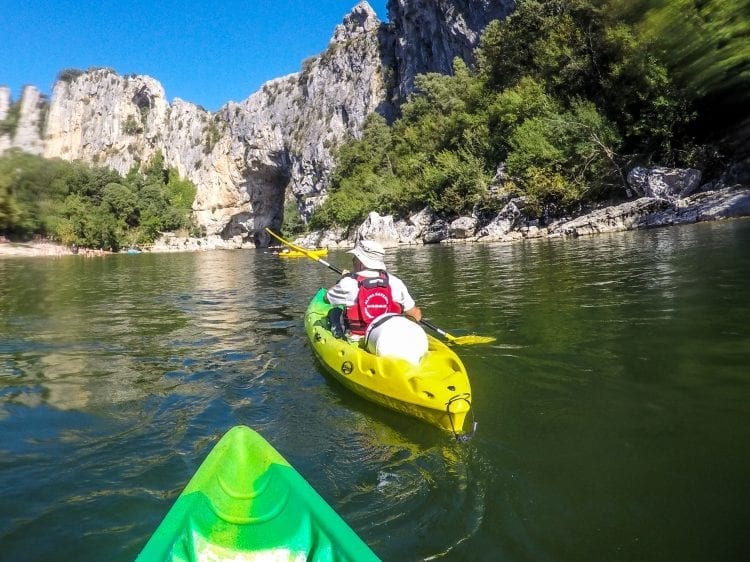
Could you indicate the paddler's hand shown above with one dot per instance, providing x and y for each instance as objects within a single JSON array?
[
  {"x": 414, "y": 313},
  {"x": 345, "y": 272}
]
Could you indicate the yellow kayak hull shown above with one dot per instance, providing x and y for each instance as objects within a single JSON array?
[
  {"x": 320, "y": 252},
  {"x": 436, "y": 391}
]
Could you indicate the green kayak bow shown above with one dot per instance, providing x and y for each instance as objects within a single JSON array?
[{"x": 246, "y": 502}]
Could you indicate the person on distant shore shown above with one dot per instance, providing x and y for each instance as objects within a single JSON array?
[{"x": 377, "y": 306}]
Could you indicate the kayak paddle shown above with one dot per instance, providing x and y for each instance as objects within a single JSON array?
[{"x": 460, "y": 340}]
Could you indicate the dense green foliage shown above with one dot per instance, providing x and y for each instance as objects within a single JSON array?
[
  {"x": 565, "y": 97},
  {"x": 292, "y": 224},
  {"x": 706, "y": 46},
  {"x": 91, "y": 207}
]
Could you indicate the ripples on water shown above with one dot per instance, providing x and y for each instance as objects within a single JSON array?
[
  {"x": 119, "y": 374},
  {"x": 612, "y": 407}
]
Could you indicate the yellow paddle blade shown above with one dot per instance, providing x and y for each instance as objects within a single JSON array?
[
  {"x": 461, "y": 340},
  {"x": 472, "y": 340}
]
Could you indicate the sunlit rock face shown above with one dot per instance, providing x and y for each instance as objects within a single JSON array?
[
  {"x": 28, "y": 123},
  {"x": 282, "y": 136},
  {"x": 103, "y": 118},
  {"x": 273, "y": 151}
]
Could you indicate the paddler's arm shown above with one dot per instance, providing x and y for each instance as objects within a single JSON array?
[
  {"x": 402, "y": 296},
  {"x": 344, "y": 292}
]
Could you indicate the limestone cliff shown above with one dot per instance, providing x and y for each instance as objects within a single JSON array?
[
  {"x": 248, "y": 159},
  {"x": 27, "y": 125},
  {"x": 5, "y": 138},
  {"x": 429, "y": 34},
  {"x": 285, "y": 132}
]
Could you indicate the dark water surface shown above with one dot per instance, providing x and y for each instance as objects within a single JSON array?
[{"x": 613, "y": 410}]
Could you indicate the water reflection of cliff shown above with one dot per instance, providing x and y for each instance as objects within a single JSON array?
[
  {"x": 217, "y": 298},
  {"x": 90, "y": 335}
]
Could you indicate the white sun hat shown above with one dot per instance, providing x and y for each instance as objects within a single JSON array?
[{"x": 370, "y": 253}]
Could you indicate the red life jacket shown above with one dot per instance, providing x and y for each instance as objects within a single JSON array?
[{"x": 373, "y": 299}]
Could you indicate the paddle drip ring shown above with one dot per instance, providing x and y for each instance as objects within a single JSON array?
[{"x": 467, "y": 436}]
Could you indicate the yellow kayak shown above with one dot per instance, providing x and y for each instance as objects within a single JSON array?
[
  {"x": 318, "y": 252},
  {"x": 436, "y": 391}
]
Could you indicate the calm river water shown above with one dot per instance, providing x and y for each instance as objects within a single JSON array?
[{"x": 613, "y": 410}]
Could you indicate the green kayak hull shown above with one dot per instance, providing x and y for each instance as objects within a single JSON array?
[{"x": 246, "y": 502}]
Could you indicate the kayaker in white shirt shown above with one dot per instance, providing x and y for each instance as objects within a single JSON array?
[{"x": 382, "y": 318}]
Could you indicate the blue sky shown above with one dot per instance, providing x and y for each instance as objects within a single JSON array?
[{"x": 204, "y": 52}]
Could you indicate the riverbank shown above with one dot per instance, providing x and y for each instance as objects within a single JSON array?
[
  {"x": 31, "y": 249},
  {"x": 166, "y": 244},
  {"x": 641, "y": 213},
  {"x": 510, "y": 225}
]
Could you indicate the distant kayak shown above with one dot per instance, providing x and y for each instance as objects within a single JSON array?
[
  {"x": 246, "y": 502},
  {"x": 318, "y": 252},
  {"x": 437, "y": 390}
]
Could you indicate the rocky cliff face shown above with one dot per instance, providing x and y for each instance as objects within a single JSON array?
[
  {"x": 285, "y": 132},
  {"x": 250, "y": 158},
  {"x": 429, "y": 34},
  {"x": 5, "y": 139},
  {"x": 103, "y": 118},
  {"x": 28, "y": 122}
]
